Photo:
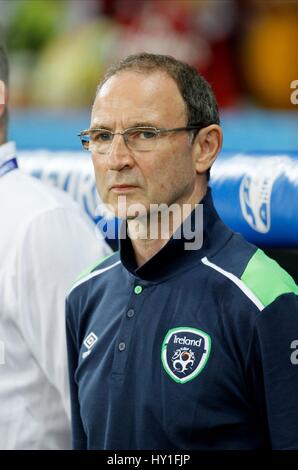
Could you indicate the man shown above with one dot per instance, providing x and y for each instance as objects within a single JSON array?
[
  {"x": 174, "y": 343},
  {"x": 45, "y": 242}
]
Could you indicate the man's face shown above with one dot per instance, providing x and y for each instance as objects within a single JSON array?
[{"x": 165, "y": 175}]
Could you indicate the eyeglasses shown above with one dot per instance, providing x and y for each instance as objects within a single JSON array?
[{"x": 142, "y": 139}]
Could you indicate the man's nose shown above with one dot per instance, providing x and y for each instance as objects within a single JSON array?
[{"x": 119, "y": 155}]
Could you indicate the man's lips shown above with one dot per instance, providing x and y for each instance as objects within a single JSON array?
[{"x": 123, "y": 187}]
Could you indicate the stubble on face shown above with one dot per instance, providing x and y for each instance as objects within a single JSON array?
[{"x": 165, "y": 175}]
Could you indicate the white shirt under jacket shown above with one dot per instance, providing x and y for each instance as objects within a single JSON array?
[{"x": 45, "y": 242}]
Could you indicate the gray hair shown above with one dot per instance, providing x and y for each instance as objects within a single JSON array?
[{"x": 198, "y": 96}]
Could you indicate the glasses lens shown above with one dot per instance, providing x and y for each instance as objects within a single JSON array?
[
  {"x": 85, "y": 141},
  {"x": 142, "y": 139},
  {"x": 100, "y": 140}
]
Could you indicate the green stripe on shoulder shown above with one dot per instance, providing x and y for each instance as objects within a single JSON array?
[
  {"x": 267, "y": 279},
  {"x": 90, "y": 268}
]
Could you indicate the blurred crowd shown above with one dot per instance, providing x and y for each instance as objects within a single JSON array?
[{"x": 59, "y": 49}]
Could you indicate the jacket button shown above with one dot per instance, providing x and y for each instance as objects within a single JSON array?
[
  {"x": 121, "y": 346},
  {"x": 138, "y": 289},
  {"x": 130, "y": 313}
]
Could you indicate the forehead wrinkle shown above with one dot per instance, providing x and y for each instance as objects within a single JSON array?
[
  {"x": 124, "y": 106},
  {"x": 144, "y": 116},
  {"x": 138, "y": 97},
  {"x": 106, "y": 114}
]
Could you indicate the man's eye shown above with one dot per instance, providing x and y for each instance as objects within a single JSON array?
[
  {"x": 146, "y": 135},
  {"x": 101, "y": 136}
]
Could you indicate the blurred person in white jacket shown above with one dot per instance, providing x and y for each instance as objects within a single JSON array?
[{"x": 45, "y": 242}]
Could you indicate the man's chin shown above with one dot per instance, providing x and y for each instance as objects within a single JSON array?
[
  {"x": 131, "y": 215},
  {"x": 127, "y": 208}
]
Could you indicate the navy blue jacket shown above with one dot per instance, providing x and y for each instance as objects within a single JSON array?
[{"x": 196, "y": 349}]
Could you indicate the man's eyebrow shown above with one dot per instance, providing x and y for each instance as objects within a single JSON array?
[
  {"x": 100, "y": 126},
  {"x": 135, "y": 124},
  {"x": 143, "y": 124}
]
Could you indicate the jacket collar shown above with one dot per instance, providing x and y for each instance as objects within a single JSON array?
[{"x": 174, "y": 257}]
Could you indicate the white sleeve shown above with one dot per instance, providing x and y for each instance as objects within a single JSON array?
[{"x": 56, "y": 246}]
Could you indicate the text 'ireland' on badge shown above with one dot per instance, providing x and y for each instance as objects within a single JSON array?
[{"x": 185, "y": 352}]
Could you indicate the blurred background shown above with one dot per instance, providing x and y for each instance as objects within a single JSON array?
[
  {"x": 59, "y": 49},
  {"x": 246, "y": 49}
]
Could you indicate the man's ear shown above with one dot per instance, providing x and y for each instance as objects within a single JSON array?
[
  {"x": 3, "y": 98},
  {"x": 206, "y": 147}
]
